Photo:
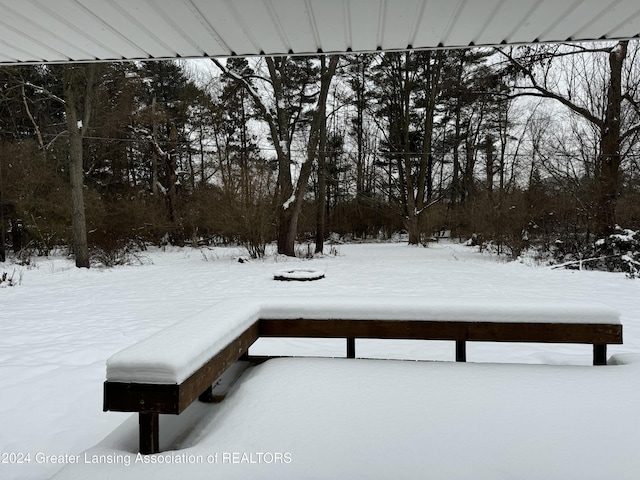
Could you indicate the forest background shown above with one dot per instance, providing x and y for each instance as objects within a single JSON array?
[{"x": 514, "y": 148}]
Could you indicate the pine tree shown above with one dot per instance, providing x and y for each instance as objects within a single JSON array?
[{"x": 410, "y": 85}]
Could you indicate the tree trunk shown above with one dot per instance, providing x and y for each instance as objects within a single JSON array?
[
  {"x": 3, "y": 233},
  {"x": 287, "y": 200},
  {"x": 412, "y": 225},
  {"x": 78, "y": 220},
  {"x": 359, "y": 128},
  {"x": 280, "y": 135},
  {"x": 290, "y": 211},
  {"x": 154, "y": 155},
  {"x": 79, "y": 85},
  {"x": 489, "y": 166},
  {"x": 171, "y": 168},
  {"x": 608, "y": 179},
  {"x": 322, "y": 181}
]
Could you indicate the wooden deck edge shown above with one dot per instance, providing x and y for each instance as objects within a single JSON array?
[
  {"x": 530, "y": 332},
  {"x": 150, "y": 400},
  {"x": 174, "y": 399}
]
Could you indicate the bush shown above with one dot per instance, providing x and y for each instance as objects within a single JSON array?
[
  {"x": 7, "y": 280},
  {"x": 503, "y": 225},
  {"x": 619, "y": 252},
  {"x": 128, "y": 255}
]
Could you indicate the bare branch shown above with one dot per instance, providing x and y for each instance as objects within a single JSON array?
[
  {"x": 543, "y": 91},
  {"x": 634, "y": 103},
  {"x": 39, "y": 89},
  {"x": 630, "y": 132},
  {"x": 33, "y": 121},
  {"x": 257, "y": 101}
]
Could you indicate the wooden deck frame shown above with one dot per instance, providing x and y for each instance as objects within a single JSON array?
[{"x": 150, "y": 400}]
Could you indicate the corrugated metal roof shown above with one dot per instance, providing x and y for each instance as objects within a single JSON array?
[{"x": 89, "y": 30}]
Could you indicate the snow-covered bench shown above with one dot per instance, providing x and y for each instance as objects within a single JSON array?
[{"x": 167, "y": 371}]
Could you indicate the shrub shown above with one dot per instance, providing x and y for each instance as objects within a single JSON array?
[
  {"x": 619, "y": 252},
  {"x": 7, "y": 280},
  {"x": 126, "y": 255}
]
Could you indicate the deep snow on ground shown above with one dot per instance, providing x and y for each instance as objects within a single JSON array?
[
  {"x": 61, "y": 324},
  {"x": 385, "y": 419}
]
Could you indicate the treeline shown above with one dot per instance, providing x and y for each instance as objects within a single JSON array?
[{"x": 527, "y": 146}]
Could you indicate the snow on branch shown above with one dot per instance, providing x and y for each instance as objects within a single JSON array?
[
  {"x": 581, "y": 261},
  {"x": 245, "y": 83},
  {"x": 417, "y": 212},
  {"x": 289, "y": 201},
  {"x": 42, "y": 90},
  {"x": 145, "y": 134},
  {"x": 257, "y": 99}
]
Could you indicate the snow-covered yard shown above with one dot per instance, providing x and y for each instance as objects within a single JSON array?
[{"x": 557, "y": 417}]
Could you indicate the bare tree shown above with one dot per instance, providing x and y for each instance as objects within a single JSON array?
[
  {"x": 577, "y": 90},
  {"x": 283, "y": 122}
]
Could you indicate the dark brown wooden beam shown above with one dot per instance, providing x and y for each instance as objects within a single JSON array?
[
  {"x": 600, "y": 354},
  {"x": 351, "y": 348},
  {"x": 141, "y": 397},
  {"x": 439, "y": 330},
  {"x": 461, "y": 351},
  {"x": 545, "y": 332},
  {"x": 202, "y": 379},
  {"x": 207, "y": 396},
  {"x": 149, "y": 433}
]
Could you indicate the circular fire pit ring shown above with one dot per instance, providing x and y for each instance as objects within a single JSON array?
[{"x": 298, "y": 275}]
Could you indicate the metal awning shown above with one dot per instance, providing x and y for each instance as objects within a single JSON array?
[{"x": 35, "y": 31}]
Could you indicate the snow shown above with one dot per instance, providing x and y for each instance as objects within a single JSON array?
[
  {"x": 625, "y": 237},
  {"x": 289, "y": 201},
  {"x": 173, "y": 354},
  {"x": 629, "y": 259},
  {"x": 335, "y": 418},
  {"x": 520, "y": 411},
  {"x": 438, "y": 309},
  {"x": 284, "y": 146}
]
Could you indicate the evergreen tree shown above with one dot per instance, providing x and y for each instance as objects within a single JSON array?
[{"x": 410, "y": 85}]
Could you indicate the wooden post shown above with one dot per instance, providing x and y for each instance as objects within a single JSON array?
[
  {"x": 149, "y": 433},
  {"x": 351, "y": 348},
  {"x": 600, "y": 354},
  {"x": 461, "y": 351},
  {"x": 207, "y": 396}
]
